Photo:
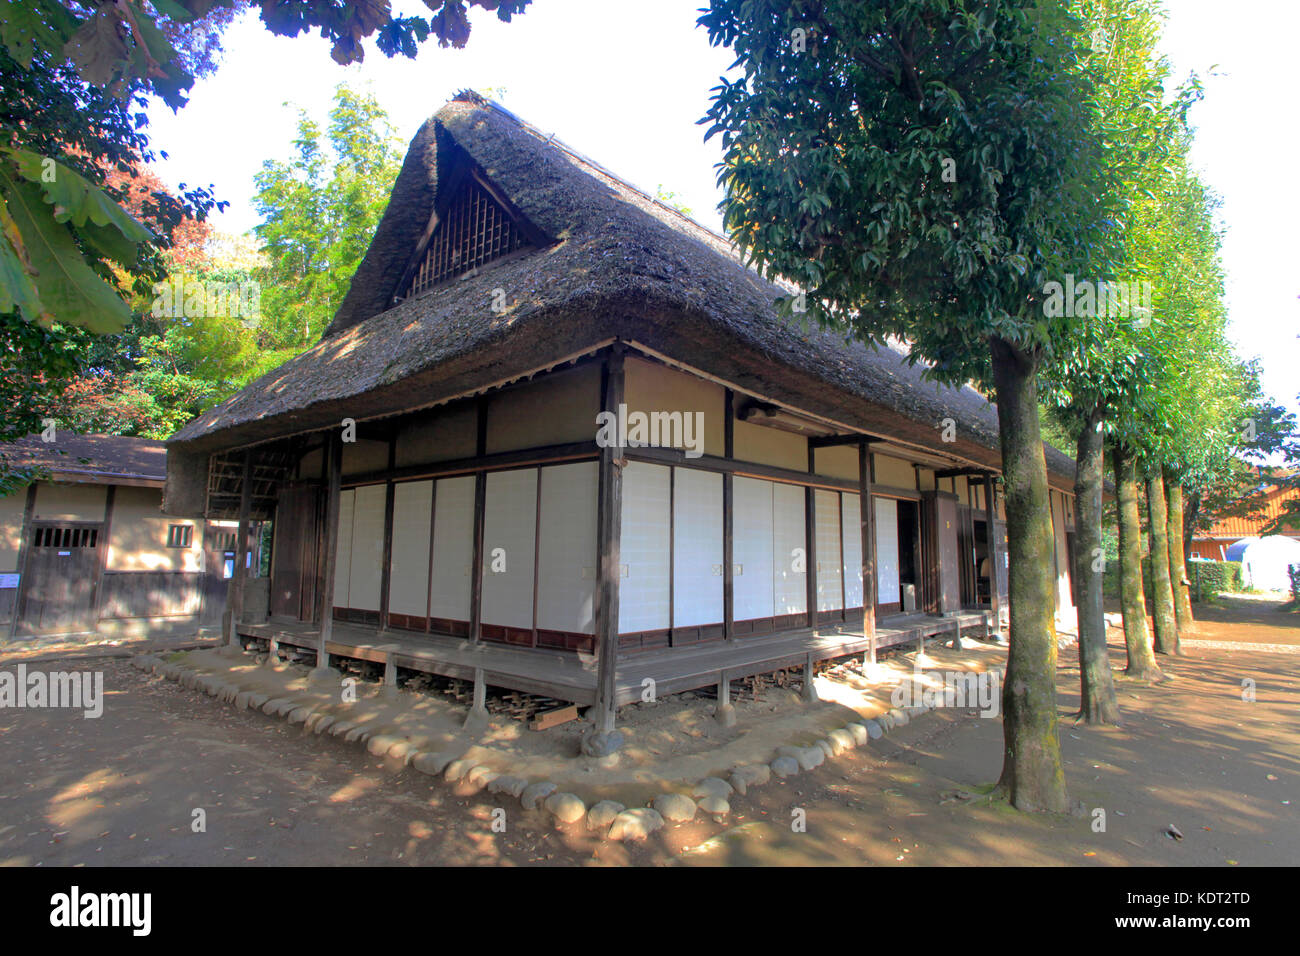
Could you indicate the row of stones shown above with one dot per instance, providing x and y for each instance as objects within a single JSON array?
[{"x": 711, "y": 795}]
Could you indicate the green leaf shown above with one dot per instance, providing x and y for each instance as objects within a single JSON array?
[
  {"x": 17, "y": 283},
  {"x": 30, "y": 25},
  {"x": 75, "y": 199},
  {"x": 68, "y": 287}
]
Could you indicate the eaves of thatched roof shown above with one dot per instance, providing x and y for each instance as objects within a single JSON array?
[{"x": 621, "y": 266}]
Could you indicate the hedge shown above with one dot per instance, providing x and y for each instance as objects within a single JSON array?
[{"x": 1210, "y": 577}]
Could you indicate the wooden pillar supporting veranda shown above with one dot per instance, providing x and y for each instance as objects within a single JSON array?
[
  {"x": 235, "y": 593},
  {"x": 990, "y": 545},
  {"x": 605, "y": 738},
  {"x": 868, "y": 515},
  {"x": 329, "y": 554}
]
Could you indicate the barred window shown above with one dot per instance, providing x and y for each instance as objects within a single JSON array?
[
  {"x": 180, "y": 535},
  {"x": 65, "y": 538}
]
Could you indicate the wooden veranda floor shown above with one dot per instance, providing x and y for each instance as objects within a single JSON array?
[{"x": 569, "y": 676}]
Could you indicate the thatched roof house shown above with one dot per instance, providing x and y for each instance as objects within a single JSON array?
[{"x": 515, "y": 292}]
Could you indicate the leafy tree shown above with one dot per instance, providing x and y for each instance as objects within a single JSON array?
[
  {"x": 60, "y": 230},
  {"x": 1100, "y": 376},
  {"x": 98, "y": 143},
  {"x": 320, "y": 211},
  {"x": 922, "y": 169}
]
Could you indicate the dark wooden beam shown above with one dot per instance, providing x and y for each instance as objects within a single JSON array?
[
  {"x": 433, "y": 524},
  {"x": 476, "y": 569},
  {"x": 235, "y": 595},
  {"x": 330, "y": 551},
  {"x": 810, "y": 541},
  {"x": 547, "y": 454},
  {"x": 868, "y": 540},
  {"x": 674, "y": 456},
  {"x": 960, "y": 472},
  {"x": 609, "y": 521},
  {"x": 386, "y": 571},
  {"x": 829, "y": 441},
  {"x": 728, "y": 521}
]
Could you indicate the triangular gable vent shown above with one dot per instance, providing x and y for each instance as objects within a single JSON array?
[{"x": 473, "y": 230}]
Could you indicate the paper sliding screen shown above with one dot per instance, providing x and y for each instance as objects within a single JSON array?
[
  {"x": 408, "y": 589},
  {"x": 644, "y": 547},
  {"x": 697, "y": 548}
]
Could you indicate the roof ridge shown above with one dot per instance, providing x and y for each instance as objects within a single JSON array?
[{"x": 551, "y": 139}]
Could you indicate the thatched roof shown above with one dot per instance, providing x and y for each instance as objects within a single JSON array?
[
  {"x": 91, "y": 459},
  {"x": 622, "y": 266}
]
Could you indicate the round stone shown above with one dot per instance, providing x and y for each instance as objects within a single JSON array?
[
  {"x": 635, "y": 824},
  {"x": 534, "y": 793},
  {"x": 601, "y": 815},
  {"x": 874, "y": 730},
  {"x": 507, "y": 784},
  {"x": 457, "y": 769},
  {"x": 712, "y": 787},
  {"x": 675, "y": 807},
  {"x": 754, "y": 775},
  {"x": 784, "y": 767},
  {"x": 715, "y": 806},
  {"x": 811, "y": 757},
  {"x": 596, "y": 744},
  {"x": 566, "y": 807}
]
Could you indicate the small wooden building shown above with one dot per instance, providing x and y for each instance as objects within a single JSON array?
[
  {"x": 1268, "y": 502},
  {"x": 86, "y": 549},
  {"x": 559, "y": 439}
]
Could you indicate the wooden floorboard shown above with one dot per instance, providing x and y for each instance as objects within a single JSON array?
[{"x": 570, "y": 676}]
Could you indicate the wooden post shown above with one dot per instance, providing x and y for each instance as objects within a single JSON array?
[
  {"x": 235, "y": 595},
  {"x": 386, "y": 572},
  {"x": 809, "y": 691},
  {"x": 868, "y": 514},
  {"x": 480, "y": 523},
  {"x": 990, "y": 532},
  {"x": 476, "y": 569},
  {"x": 810, "y": 541},
  {"x": 725, "y": 713},
  {"x": 329, "y": 559},
  {"x": 477, "y": 717},
  {"x": 728, "y": 522},
  {"x": 609, "y": 523},
  {"x": 428, "y": 584},
  {"x": 24, "y": 548}
]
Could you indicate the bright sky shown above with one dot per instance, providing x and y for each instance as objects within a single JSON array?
[{"x": 625, "y": 86}]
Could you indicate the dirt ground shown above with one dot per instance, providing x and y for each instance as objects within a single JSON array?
[{"x": 1192, "y": 753}]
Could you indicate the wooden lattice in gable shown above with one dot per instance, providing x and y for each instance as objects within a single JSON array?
[{"x": 473, "y": 231}]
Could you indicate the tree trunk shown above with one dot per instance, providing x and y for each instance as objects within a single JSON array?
[
  {"x": 1137, "y": 637},
  {"x": 1032, "y": 777},
  {"x": 1098, "y": 704},
  {"x": 1162, "y": 592},
  {"x": 1191, "y": 511},
  {"x": 1178, "y": 558}
]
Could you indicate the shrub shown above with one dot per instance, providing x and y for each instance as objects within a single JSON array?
[{"x": 1210, "y": 577}]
